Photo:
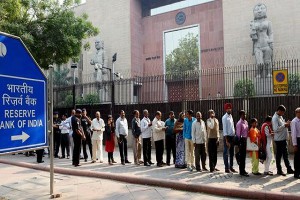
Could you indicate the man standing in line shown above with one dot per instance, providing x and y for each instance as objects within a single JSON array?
[
  {"x": 213, "y": 140},
  {"x": 280, "y": 128},
  {"x": 229, "y": 134},
  {"x": 78, "y": 135},
  {"x": 170, "y": 138},
  {"x": 122, "y": 133},
  {"x": 189, "y": 145},
  {"x": 65, "y": 129},
  {"x": 86, "y": 123},
  {"x": 242, "y": 134},
  {"x": 98, "y": 127},
  {"x": 136, "y": 140},
  {"x": 158, "y": 136},
  {"x": 199, "y": 136},
  {"x": 146, "y": 135},
  {"x": 295, "y": 128}
]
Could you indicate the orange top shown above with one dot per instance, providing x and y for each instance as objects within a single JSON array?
[{"x": 254, "y": 135}]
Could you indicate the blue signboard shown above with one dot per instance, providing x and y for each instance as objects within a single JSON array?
[{"x": 23, "y": 102}]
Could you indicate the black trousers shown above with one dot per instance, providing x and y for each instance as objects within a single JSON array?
[
  {"x": 147, "y": 150},
  {"x": 171, "y": 146},
  {"x": 57, "y": 137},
  {"x": 297, "y": 159},
  {"x": 212, "y": 153},
  {"x": 282, "y": 151},
  {"x": 159, "y": 151},
  {"x": 123, "y": 148},
  {"x": 87, "y": 141},
  {"x": 65, "y": 144},
  {"x": 200, "y": 152},
  {"x": 77, "y": 149},
  {"x": 39, "y": 155},
  {"x": 243, "y": 153},
  {"x": 110, "y": 156}
]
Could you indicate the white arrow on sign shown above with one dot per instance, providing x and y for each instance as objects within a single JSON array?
[{"x": 22, "y": 137}]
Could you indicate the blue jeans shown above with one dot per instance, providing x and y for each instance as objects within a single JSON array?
[{"x": 228, "y": 150}]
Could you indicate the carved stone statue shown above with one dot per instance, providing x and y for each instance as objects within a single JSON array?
[
  {"x": 101, "y": 74},
  {"x": 99, "y": 62},
  {"x": 262, "y": 37}
]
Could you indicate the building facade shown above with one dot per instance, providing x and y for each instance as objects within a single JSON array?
[{"x": 146, "y": 34}]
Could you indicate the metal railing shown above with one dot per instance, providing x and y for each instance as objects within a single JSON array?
[{"x": 190, "y": 86}]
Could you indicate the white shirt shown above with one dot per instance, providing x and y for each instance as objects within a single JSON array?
[
  {"x": 228, "y": 125},
  {"x": 69, "y": 120},
  {"x": 157, "y": 126},
  {"x": 199, "y": 134},
  {"x": 278, "y": 125},
  {"x": 65, "y": 127},
  {"x": 98, "y": 127},
  {"x": 121, "y": 127},
  {"x": 145, "y": 128}
]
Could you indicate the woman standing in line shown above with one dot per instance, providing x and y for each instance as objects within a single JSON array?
[
  {"x": 180, "y": 147},
  {"x": 267, "y": 143},
  {"x": 254, "y": 135},
  {"x": 110, "y": 139}
]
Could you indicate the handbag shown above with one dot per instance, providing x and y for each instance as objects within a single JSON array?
[
  {"x": 251, "y": 146},
  {"x": 262, "y": 154}
]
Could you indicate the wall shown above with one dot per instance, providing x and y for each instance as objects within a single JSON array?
[
  {"x": 113, "y": 20},
  {"x": 136, "y": 38},
  {"x": 209, "y": 16}
]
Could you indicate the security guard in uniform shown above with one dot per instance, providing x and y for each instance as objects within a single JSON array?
[
  {"x": 57, "y": 134},
  {"x": 86, "y": 123},
  {"x": 78, "y": 136}
]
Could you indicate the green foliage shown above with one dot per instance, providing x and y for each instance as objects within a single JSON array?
[
  {"x": 68, "y": 101},
  {"x": 294, "y": 83},
  {"x": 244, "y": 88},
  {"x": 91, "y": 99},
  {"x": 61, "y": 77},
  {"x": 79, "y": 101},
  {"x": 185, "y": 57},
  {"x": 52, "y": 32}
]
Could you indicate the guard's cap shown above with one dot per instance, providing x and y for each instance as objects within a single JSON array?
[{"x": 78, "y": 111}]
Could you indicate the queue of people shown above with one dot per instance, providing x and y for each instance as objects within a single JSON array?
[{"x": 188, "y": 140}]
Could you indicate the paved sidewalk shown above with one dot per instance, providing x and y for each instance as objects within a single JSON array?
[
  {"x": 219, "y": 182},
  {"x": 22, "y": 183}
]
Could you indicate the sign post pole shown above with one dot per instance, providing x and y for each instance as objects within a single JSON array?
[
  {"x": 50, "y": 82},
  {"x": 50, "y": 103}
]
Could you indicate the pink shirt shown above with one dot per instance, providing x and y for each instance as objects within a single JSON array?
[
  {"x": 295, "y": 129},
  {"x": 242, "y": 128}
]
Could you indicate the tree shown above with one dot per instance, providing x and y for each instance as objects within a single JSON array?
[
  {"x": 91, "y": 99},
  {"x": 61, "y": 77},
  {"x": 68, "y": 101},
  {"x": 244, "y": 88},
  {"x": 185, "y": 57},
  {"x": 294, "y": 83},
  {"x": 52, "y": 32}
]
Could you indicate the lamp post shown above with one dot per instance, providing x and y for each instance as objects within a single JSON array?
[
  {"x": 112, "y": 74},
  {"x": 112, "y": 105},
  {"x": 74, "y": 66}
]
